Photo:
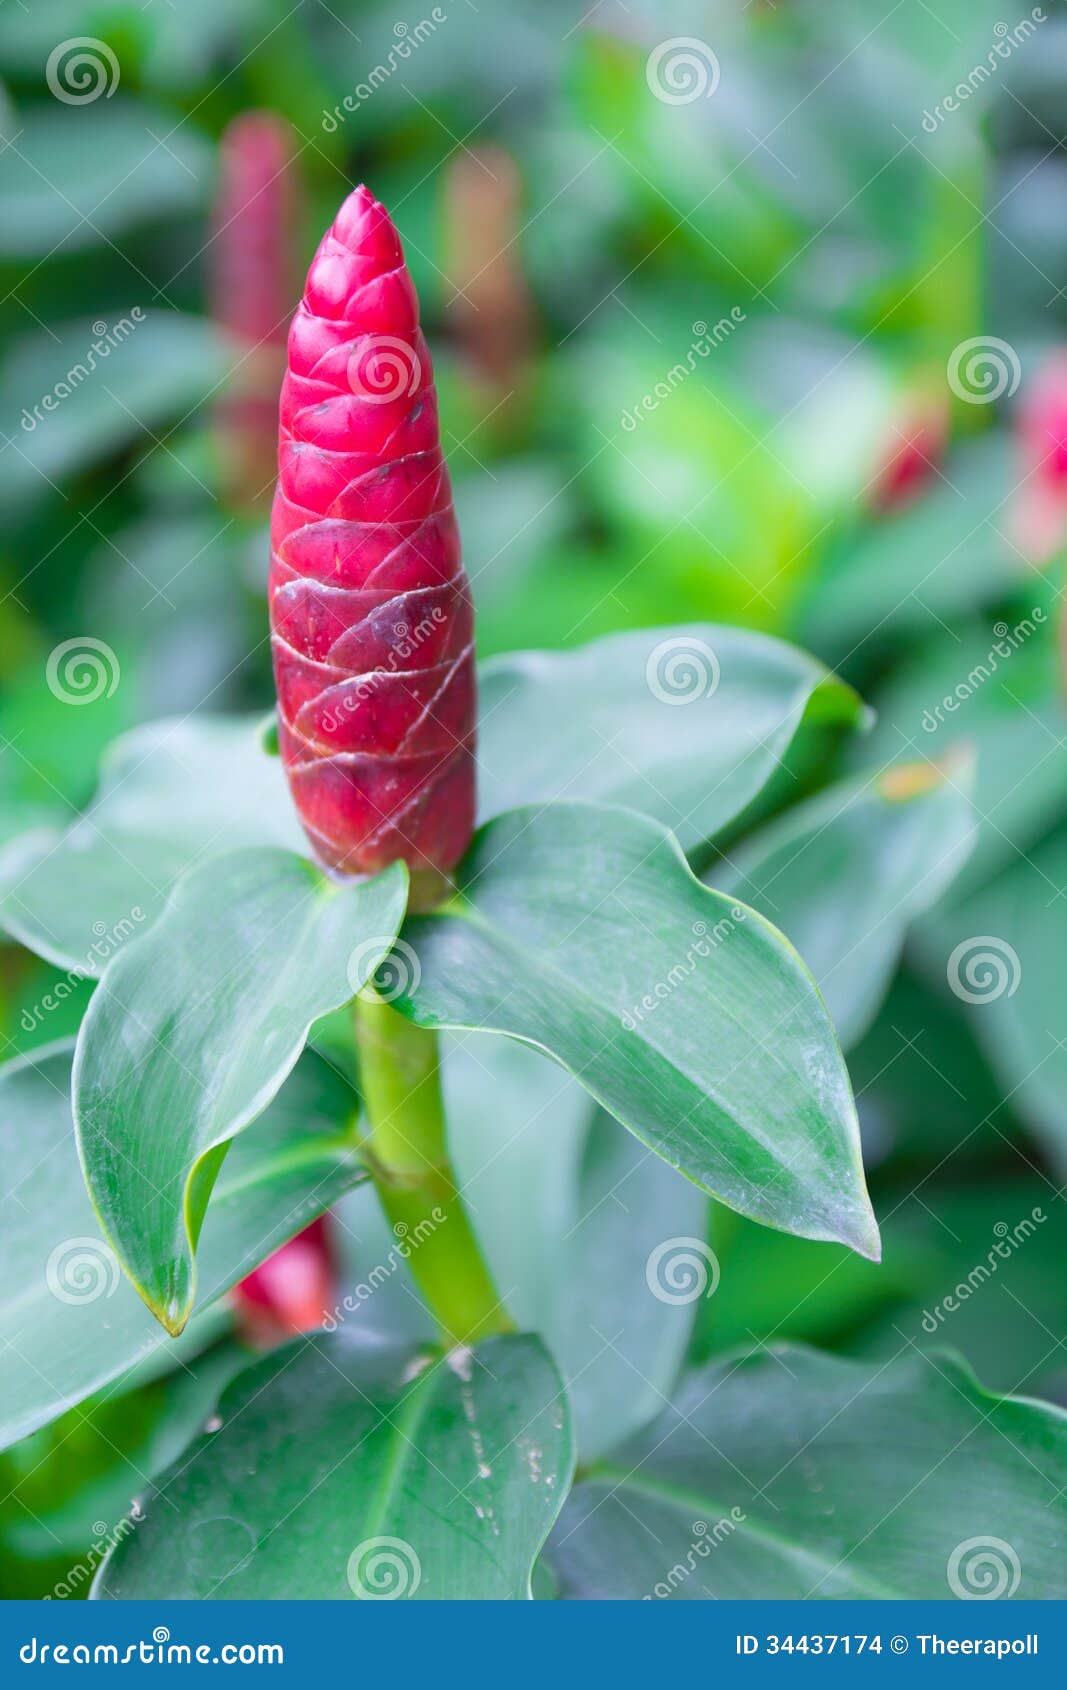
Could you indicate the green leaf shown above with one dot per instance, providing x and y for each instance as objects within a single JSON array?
[
  {"x": 942, "y": 556},
  {"x": 580, "y": 930},
  {"x": 1002, "y": 954},
  {"x": 172, "y": 794},
  {"x": 64, "y": 406},
  {"x": 683, "y": 724},
  {"x": 570, "y": 1211},
  {"x": 413, "y": 1476},
  {"x": 192, "y": 1031},
  {"x": 581, "y": 722},
  {"x": 67, "y": 1488},
  {"x": 995, "y": 689},
  {"x": 792, "y": 1475},
  {"x": 69, "y": 1322},
  {"x": 844, "y": 875},
  {"x": 78, "y": 176}
]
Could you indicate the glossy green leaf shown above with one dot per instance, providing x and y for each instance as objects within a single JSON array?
[
  {"x": 794, "y": 1475},
  {"x": 192, "y": 1031},
  {"x": 172, "y": 794},
  {"x": 570, "y": 1212},
  {"x": 65, "y": 407},
  {"x": 69, "y": 1321},
  {"x": 581, "y": 930},
  {"x": 413, "y": 1476},
  {"x": 844, "y": 875},
  {"x": 683, "y": 724}
]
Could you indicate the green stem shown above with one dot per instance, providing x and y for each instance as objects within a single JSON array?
[{"x": 406, "y": 1151}]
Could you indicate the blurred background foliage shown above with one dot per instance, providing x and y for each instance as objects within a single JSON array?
[{"x": 838, "y": 234}]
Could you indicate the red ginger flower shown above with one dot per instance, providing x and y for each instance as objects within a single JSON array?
[
  {"x": 372, "y": 625},
  {"x": 292, "y": 1291}
]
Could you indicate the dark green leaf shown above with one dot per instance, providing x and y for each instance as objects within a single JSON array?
[
  {"x": 684, "y": 724},
  {"x": 69, "y": 1322},
  {"x": 845, "y": 874},
  {"x": 347, "y": 1471},
  {"x": 794, "y": 1475},
  {"x": 581, "y": 930},
  {"x": 65, "y": 407},
  {"x": 571, "y": 1212},
  {"x": 172, "y": 794},
  {"x": 192, "y": 1031}
]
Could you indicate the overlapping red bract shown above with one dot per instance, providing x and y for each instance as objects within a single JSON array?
[{"x": 371, "y": 616}]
